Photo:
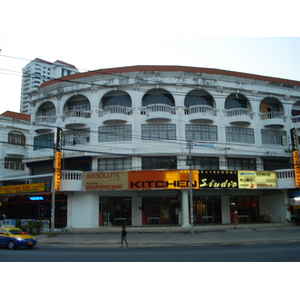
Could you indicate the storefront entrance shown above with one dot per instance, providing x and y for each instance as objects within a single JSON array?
[
  {"x": 114, "y": 211},
  {"x": 207, "y": 209},
  {"x": 160, "y": 210},
  {"x": 247, "y": 207}
]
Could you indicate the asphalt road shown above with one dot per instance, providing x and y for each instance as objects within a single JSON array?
[{"x": 273, "y": 252}]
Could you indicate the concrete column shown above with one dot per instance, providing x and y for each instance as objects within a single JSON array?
[
  {"x": 136, "y": 210},
  {"x": 225, "y": 204},
  {"x": 185, "y": 208}
]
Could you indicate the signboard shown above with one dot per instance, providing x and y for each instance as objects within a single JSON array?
[
  {"x": 162, "y": 179},
  {"x": 105, "y": 181},
  {"x": 257, "y": 179},
  {"x": 57, "y": 159},
  {"x": 218, "y": 179},
  {"x": 23, "y": 188},
  {"x": 295, "y": 157}
]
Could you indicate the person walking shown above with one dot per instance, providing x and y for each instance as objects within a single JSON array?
[
  {"x": 123, "y": 236},
  {"x": 235, "y": 218}
]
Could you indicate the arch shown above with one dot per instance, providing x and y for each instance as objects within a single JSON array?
[
  {"x": 198, "y": 97},
  {"x": 271, "y": 105},
  {"x": 116, "y": 98},
  {"x": 237, "y": 100},
  {"x": 158, "y": 96},
  {"x": 46, "y": 109},
  {"x": 77, "y": 103}
]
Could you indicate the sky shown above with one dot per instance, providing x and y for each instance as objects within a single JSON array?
[
  {"x": 260, "y": 38},
  {"x": 272, "y": 56}
]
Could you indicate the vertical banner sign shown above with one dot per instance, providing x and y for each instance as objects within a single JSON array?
[
  {"x": 57, "y": 159},
  {"x": 295, "y": 156}
]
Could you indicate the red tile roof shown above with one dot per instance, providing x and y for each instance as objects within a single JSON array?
[
  {"x": 173, "y": 69},
  {"x": 15, "y": 115}
]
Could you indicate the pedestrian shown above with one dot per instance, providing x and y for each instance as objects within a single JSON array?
[
  {"x": 235, "y": 218},
  {"x": 123, "y": 236}
]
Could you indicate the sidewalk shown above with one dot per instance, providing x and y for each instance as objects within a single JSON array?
[{"x": 161, "y": 236}]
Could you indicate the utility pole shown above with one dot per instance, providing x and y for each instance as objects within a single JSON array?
[{"x": 190, "y": 145}]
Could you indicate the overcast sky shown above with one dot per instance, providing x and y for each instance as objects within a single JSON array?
[{"x": 125, "y": 33}]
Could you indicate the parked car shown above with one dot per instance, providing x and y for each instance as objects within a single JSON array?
[{"x": 12, "y": 237}]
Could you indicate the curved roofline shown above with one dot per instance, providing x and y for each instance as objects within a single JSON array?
[{"x": 161, "y": 68}]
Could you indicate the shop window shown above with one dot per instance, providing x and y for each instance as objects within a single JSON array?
[
  {"x": 159, "y": 163},
  {"x": 118, "y": 133},
  {"x": 201, "y": 132},
  {"x": 239, "y": 135},
  {"x": 114, "y": 164},
  {"x": 158, "y": 132},
  {"x": 247, "y": 207}
]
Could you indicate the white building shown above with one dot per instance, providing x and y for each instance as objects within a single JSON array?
[
  {"x": 38, "y": 71},
  {"x": 128, "y": 133}
]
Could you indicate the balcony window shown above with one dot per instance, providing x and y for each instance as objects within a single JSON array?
[
  {"x": 15, "y": 137},
  {"x": 241, "y": 163},
  {"x": 12, "y": 163},
  {"x": 159, "y": 163},
  {"x": 76, "y": 137},
  {"x": 43, "y": 141},
  {"x": 197, "y": 132},
  {"x": 114, "y": 164},
  {"x": 240, "y": 135},
  {"x": 118, "y": 133},
  {"x": 158, "y": 132},
  {"x": 205, "y": 163}
]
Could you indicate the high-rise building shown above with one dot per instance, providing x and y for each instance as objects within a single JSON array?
[{"x": 37, "y": 72}]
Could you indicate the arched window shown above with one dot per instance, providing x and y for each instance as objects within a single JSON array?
[
  {"x": 158, "y": 96},
  {"x": 119, "y": 98},
  {"x": 236, "y": 100},
  {"x": 198, "y": 97},
  {"x": 78, "y": 102},
  {"x": 16, "y": 137}
]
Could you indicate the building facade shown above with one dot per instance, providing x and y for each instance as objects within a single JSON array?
[
  {"x": 140, "y": 142},
  {"x": 38, "y": 71}
]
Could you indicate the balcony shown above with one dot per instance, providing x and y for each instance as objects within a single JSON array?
[
  {"x": 76, "y": 118},
  {"x": 273, "y": 119},
  {"x": 201, "y": 113},
  {"x": 42, "y": 123},
  {"x": 71, "y": 181},
  {"x": 285, "y": 179},
  {"x": 238, "y": 116},
  {"x": 116, "y": 113},
  {"x": 158, "y": 112}
]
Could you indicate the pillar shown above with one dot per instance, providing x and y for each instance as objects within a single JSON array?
[{"x": 185, "y": 208}]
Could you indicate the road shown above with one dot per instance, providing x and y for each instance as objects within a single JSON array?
[{"x": 273, "y": 252}]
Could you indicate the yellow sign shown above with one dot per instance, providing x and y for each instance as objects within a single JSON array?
[
  {"x": 23, "y": 188},
  {"x": 257, "y": 179},
  {"x": 57, "y": 170},
  {"x": 105, "y": 181},
  {"x": 295, "y": 156}
]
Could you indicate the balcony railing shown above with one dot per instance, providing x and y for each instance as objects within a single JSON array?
[
  {"x": 45, "y": 119},
  {"x": 273, "y": 118},
  {"x": 117, "y": 109},
  {"x": 77, "y": 114}
]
